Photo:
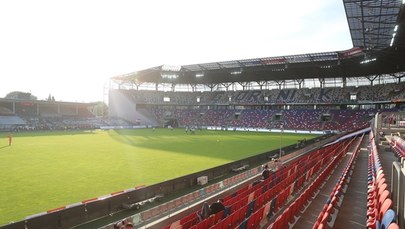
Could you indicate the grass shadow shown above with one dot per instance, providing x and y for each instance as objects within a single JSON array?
[{"x": 228, "y": 145}]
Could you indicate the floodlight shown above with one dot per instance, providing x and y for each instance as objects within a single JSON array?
[
  {"x": 200, "y": 74},
  {"x": 169, "y": 75},
  {"x": 236, "y": 72},
  {"x": 368, "y": 60}
]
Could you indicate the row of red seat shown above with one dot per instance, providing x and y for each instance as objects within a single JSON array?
[
  {"x": 289, "y": 214},
  {"x": 325, "y": 156},
  {"x": 190, "y": 198},
  {"x": 293, "y": 183},
  {"x": 250, "y": 204},
  {"x": 327, "y": 216},
  {"x": 379, "y": 213}
]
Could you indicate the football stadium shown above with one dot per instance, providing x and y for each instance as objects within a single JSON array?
[{"x": 312, "y": 140}]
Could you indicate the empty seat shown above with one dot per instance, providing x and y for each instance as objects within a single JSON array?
[{"x": 388, "y": 218}]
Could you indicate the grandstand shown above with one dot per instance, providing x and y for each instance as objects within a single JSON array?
[
  {"x": 352, "y": 177},
  {"x": 33, "y": 115}
]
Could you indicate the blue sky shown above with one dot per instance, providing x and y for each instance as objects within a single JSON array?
[{"x": 71, "y": 48}]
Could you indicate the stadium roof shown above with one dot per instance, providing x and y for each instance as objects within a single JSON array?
[
  {"x": 372, "y": 22},
  {"x": 377, "y": 29}
]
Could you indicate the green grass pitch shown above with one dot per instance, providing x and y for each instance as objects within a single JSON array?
[{"x": 46, "y": 170}]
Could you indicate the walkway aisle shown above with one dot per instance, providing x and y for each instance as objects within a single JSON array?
[
  {"x": 353, "y": 211},
  {"x": 309, "y": 217}
]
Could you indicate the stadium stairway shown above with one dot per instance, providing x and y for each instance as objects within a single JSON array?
[
  {"x": 311, "y": 214},
  {"x": 353, "y": 209}
]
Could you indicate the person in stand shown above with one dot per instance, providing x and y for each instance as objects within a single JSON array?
[
  {"x": 266, "y": 172},
  {"x": 10, "y": 139},
  {"x": 205, "y": 212},
  {"x": 217, "y": 207},
  {"x": 208, "y": 210}
]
